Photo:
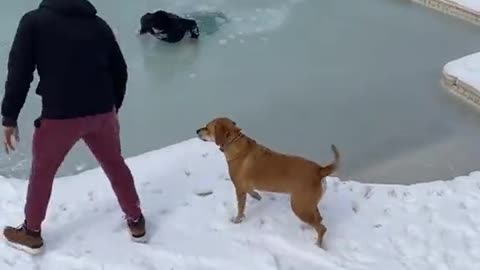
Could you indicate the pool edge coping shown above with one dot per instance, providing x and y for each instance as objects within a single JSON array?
[
  {"x": 461, "y": 89},
  {"x": 451, "y": 8},
  {"x": 453, "y": 84}
]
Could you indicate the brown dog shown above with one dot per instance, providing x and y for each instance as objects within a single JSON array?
[{"x": 254, "y": 167}]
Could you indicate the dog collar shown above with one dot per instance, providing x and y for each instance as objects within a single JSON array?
[{"x": 223, "y": 147}]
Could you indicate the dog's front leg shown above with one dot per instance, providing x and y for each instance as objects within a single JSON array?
[{"x": 241, "y": 200}]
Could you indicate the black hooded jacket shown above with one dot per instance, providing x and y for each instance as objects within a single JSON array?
[{"x": 80, "y": 65}]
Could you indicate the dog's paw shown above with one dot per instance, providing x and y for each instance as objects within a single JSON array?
[
  {"x": 255, "y": 195},
  {"x": 321, "y": 244},
  {"x": 237, "y": 219}
]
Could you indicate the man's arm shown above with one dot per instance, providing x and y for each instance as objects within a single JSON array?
[
  {"x": 119, "y": 73},
  {"x": 194, "y": 32},
  {"x": 21, "y": 65}
]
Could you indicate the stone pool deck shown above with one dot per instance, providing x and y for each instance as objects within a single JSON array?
[
  {"x": 461, "y": 76},
  {"x": 468, "y": 10}
]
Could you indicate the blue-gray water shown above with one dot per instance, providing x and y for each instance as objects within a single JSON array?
[{"x": 361, "y": 74}]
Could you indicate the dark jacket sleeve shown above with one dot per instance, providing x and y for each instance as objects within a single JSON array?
[
  {"x": 118, "y": 68},
  {"x": 21, "y": 65}
]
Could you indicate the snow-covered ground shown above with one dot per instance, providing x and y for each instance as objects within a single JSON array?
[
  {"x": 465, "y": 69},
  {"x": 432, "y": 226}
]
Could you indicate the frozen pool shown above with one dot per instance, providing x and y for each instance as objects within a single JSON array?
[{"x": 295, "y": 75}]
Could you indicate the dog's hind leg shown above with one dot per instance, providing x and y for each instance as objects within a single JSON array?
[
  {"x": 306, "y": 210},
  {"x": 319, "y": 227},
  {"x": 255, "y": 195}
]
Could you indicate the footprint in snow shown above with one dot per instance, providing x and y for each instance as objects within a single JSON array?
[
  {"x": 407, "y": 197},
  {"x": 224, "y": 177},
  {"x": 203, "y": 193},
  {"x": 355, "y": 207},
  {"x": 163, "y": 212},
  {"x": 368, "y": 192},
  {"x": 62, "y": 207},
  {"x": 393, "y": 193},
  {"x": 440, "y": 193},
  {"x": 91, "y": 196},
  {"x": 157, "y": 191}
]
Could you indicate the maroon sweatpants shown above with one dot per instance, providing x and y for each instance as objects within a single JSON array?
[{"x": 53, "y": 139}]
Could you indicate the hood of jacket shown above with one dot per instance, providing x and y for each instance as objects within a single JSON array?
[{"x": 70, "y": 7}]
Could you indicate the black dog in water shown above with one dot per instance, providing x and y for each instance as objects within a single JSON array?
[{"x": 167, "y": 26}]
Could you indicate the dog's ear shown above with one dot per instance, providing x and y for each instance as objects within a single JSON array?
[{"x": 221, "y": 134}]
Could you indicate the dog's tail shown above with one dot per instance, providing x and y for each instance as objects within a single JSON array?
[{"x": 332, "y": 167}]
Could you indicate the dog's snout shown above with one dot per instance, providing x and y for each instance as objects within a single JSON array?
[{"x": 198, "y": 130}]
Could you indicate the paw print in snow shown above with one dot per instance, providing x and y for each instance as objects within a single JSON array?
[
  {"x": 407, "y": 196},
  {"x": 355, "y": 207},
  {"x": 224, "y": 177},
  {"x": 204, "y": 155},
  {"x": 262, "y": 222},
  {"x": 91, "y": 196},
  {"x": 62, "y": 207},
  {"x": 368, "y": 192},
  {"x": 164, "y": 211},
  {"x": 392, "y": 193},
  {"x": 187, "y": 173}
]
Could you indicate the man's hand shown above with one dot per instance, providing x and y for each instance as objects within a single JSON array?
[{"x": 11, "y": 137}]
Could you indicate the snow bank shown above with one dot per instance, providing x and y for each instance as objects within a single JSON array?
[
  {"x": 462, "y": 76},
  {"x": 468, "y": 10},
  {"x": 425, "y": 226}
]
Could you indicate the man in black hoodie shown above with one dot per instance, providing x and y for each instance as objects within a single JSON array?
[{"x": 82, "y": 85}]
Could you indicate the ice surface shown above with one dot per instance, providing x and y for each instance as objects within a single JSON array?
[{"x": 317, "y": 73}]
